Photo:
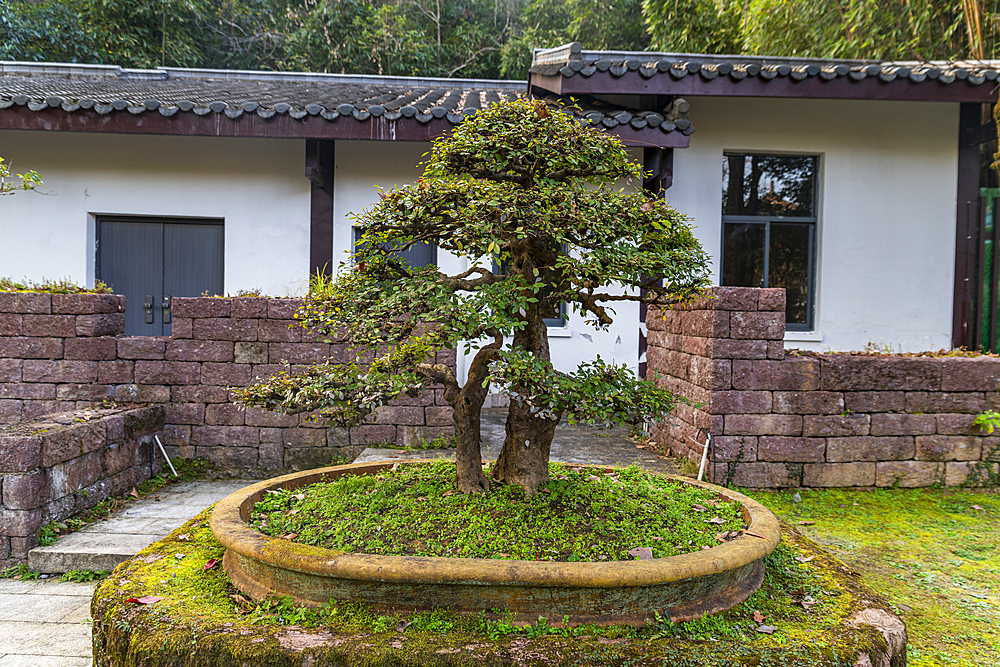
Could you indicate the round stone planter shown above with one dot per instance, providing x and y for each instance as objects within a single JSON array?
[{"x": 682, "y": 587}]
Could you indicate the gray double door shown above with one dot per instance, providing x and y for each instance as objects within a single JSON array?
[{"x": 154, "y": 260}]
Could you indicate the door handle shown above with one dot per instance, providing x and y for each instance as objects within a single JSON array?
[
  {"x": 166, "y": 309},
  {"x": 148, "y": 307}
]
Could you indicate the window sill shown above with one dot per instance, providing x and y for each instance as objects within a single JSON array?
[
  {"x": 803, "y": 336},
  {"x": 559, "y": 332}
]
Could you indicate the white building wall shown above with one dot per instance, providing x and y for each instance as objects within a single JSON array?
[
  {"x": 887, "y": 199},
  {"x": 257, "y": 185},
  {"x": 887, "y": 188}
]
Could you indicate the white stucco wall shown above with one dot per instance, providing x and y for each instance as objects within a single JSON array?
[
  {"x": 362, "y": 167},
  {"x": 887, "y": 193},
  {"x": 256, "y": 185}
]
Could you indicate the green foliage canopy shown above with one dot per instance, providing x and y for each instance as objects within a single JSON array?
[
  {"x": 853, "y": 29},
  {"x": 519, "y": 185}
]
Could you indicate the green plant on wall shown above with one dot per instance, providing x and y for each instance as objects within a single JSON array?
[
  {"x": 988, "y": 421},
  {"x": 9, "y": 184}
]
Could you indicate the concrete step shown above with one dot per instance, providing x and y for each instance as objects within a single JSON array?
[{"x": 105, "y": 544}]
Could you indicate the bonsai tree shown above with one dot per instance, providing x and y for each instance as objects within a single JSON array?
[{"x": 530, "y": 197}]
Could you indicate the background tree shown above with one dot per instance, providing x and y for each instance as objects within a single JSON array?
[
  {"x": 531, "y": 190},
  {"x": 26, "y": 181},
  {"x": 854, "y": 29}
]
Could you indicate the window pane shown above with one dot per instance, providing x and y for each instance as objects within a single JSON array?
[
  {"x": 788, "y": 267},
  {"x": 418, "y": 256},
  {"x": 743, "y": 255},
  {"x": 771, "y": 185},
  {"x": 552, "y": 310}
]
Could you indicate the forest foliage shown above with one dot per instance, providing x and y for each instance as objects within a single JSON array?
[{"x": 478, "y": 38}]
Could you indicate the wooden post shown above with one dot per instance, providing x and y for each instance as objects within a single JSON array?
[{"x": 319, "y": 170}]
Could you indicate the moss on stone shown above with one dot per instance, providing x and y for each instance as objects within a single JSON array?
[{"x": 200, "y": 623}]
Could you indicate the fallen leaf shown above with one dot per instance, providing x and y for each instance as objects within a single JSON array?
[
  {"x": 288, "y": 536},
  {"x": 300, "y": 496},
  {"x": 798, "y": 592},
  {"x": 698, "y": 508},
  {"x": 643, "y": 553},
  {"x": 145, "y": 600},
  {"x": 747, "y": 532},
  {"x": 151, "y": 558},
  {"x": 448, "y": 493},
  {"x": 807, "y": 523},
  {"x": 134, "y": 493},
  {"x": 804, "y": 559},
  {"x": 721, "y": 537},
  {"x": 402, "y": 625},
  {"x": 767, "y": 629},
  {"x": 186, "y": 537},
  {"x": 212, "y": 562},
  {"x": 716, "y": 520},
  {"x": 179, "y": 556},
  {"x": 978, "y": 507},
  {"x": 807, "y": 602},
  {"x": 758, "y": 617},
  {"x": 292, "y": 512},
  {"x": 905, "y": 608}
]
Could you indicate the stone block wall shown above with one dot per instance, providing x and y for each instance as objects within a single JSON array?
[
  {"x": 62, "y": 352},
  {"x": 61, "y": 465},
  {"x": 817, "y": 420}
]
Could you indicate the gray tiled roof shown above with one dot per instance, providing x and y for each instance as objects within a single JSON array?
[
  {"x": 604, "y": 114},
  {"x": 107, "y": 89},
  {"x": 110, "y": 89},
  {"x": 571, "y": 60}
]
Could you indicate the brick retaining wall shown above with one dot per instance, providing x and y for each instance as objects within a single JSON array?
[
  {"x": 60, "y": 352},
  {"x": 817, "y": 420},
  {"x": 61, "y": 465}
]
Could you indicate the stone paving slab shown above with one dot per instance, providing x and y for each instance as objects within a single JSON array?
[
  {"x": 45, "y": 623},
  {"x": 571, "y": 444},
  {"x": 104, "y": 544}
]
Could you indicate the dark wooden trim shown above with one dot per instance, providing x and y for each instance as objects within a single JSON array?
[
  {"x": 966, "y": 228},
  {"x": 277, "y": 127},
  {"x": 658, "y": 165},
  {"x": 870, "y": 88},
  {"x": 320, "y": 165}
]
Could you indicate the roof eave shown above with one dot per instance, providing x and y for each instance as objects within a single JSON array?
[
  {"x": 694, "y": 85},
  {"x": 277, "y": 127}
]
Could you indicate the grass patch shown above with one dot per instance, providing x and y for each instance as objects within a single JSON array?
[
  {"x": 19, "y": 572},
  {"x": 935, "y": 554},
  {"x": 582, "y": 514},
  {"x": 84, "y": 576}
]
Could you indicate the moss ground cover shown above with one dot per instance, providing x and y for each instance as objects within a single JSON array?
[
  {"x": 580, "y": 515},
  {"x": 173, "y": 605},
  {"x": 935, "y": 554}
]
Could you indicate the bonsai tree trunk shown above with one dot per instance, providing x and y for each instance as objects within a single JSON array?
[
  {"x": 467, "y": 403},
  {"x": 524, "y": 458}
]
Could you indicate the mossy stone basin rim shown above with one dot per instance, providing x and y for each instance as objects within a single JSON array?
[{"x": 682, "y": 587}]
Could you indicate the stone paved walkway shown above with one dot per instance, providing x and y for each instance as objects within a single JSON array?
[{"x": 45, "y": 623}]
